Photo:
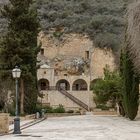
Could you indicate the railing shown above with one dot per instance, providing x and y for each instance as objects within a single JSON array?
[
  {"x": 74, "y": 99},
  {"x": 50, "y": 88}
]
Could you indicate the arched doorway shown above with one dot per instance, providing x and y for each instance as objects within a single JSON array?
[
  {"x": 43, "y": 84},
  {"x": 79, "y": 84},
  {"x": 64, "y": 84}
]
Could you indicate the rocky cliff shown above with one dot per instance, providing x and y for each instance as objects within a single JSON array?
[{"x": 74, "y": 54}]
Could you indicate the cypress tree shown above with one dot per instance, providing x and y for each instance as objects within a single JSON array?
[
  {"x": 121, "y": 103},
  {"x": 130, "y": 86},
  {"x": 19, "y": 47}
]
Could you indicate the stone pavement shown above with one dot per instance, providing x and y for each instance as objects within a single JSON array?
[
  {"x": 21, "y": 123},
  {"x": 86, "y": 127}
]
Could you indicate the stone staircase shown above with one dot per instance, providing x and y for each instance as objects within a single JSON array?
[{"x": 74, "y": 99}]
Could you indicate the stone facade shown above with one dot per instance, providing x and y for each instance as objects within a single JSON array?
[
  {"x": 72, "y": 62},
  {"x": 55, "y": 98}
]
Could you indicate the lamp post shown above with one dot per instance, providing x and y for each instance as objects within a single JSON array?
[
  {"x": 16, "y": 72},
  {"x": 91, "y": 50}
]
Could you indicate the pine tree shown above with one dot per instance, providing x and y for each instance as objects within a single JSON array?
[
  {"x": 19, "y": 47},
  {"x": 130, "y": 86}
]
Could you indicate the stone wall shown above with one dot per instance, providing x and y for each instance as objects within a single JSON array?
[
  {"x": 72, "y": 45},
  {"x": 55, "y": 98},
  {"x": 4, "y": 123},
  {"x": 99, "y": 59}
]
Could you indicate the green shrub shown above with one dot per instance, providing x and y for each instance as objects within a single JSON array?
[
  {"x": 38, "y": 108},
  {"x": 48, "y": 109},
  {"x": 59, "y": 109},
  {"x": 102, "y": 106},
  {"x": 108, "y": 89}
]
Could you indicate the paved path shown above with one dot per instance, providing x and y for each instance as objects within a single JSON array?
[
  {"x": 21, "y": 123},
  {"x": 86, "y": 127}
]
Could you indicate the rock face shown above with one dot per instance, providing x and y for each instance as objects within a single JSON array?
[
  {"x": 74, "y": 54},
  {"x": 99, "y": 60}
]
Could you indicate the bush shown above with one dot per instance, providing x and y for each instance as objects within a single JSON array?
[
  {"x": 103, "y": 107},
  {"x": 59, "y": 109},
  {"x": 48, "y": 109},
  {"x": 108, "y": 89}
]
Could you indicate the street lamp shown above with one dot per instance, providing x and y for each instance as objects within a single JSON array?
[
  {"x": 16, "y": 72},
  {"x": 91, "y": 50}
]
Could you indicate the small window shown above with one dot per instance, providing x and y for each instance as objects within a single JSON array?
[
  {"x": 87, "y": 55},
  {"x": 42, "y": 51}
]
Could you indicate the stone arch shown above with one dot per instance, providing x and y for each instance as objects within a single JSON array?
[
  {"x": 79, "y": 85},
  {"x": 93, "y": 82},
  {"x": 63, "y": 83},
  {"x": 43, "y": 84}
]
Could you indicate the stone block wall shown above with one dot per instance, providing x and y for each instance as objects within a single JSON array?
[
  {"x": 4, "y": 123},
  {"x": 55, "y": 98},
  {"x": 99, "y": 59}
]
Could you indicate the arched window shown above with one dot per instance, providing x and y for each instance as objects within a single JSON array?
[
  {"x": 64, "y": 84},
  {"x": 79, "y": 84},
  {"x": 43, "y": 84}
]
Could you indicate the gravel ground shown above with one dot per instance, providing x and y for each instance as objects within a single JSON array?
[{"x": 88, "y": 127}]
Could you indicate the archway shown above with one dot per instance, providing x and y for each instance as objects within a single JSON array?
[
  {"x": 64, "y": 84},
  {"x": 79, "y": 84},
  {"x": 43, "y": 84}
]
